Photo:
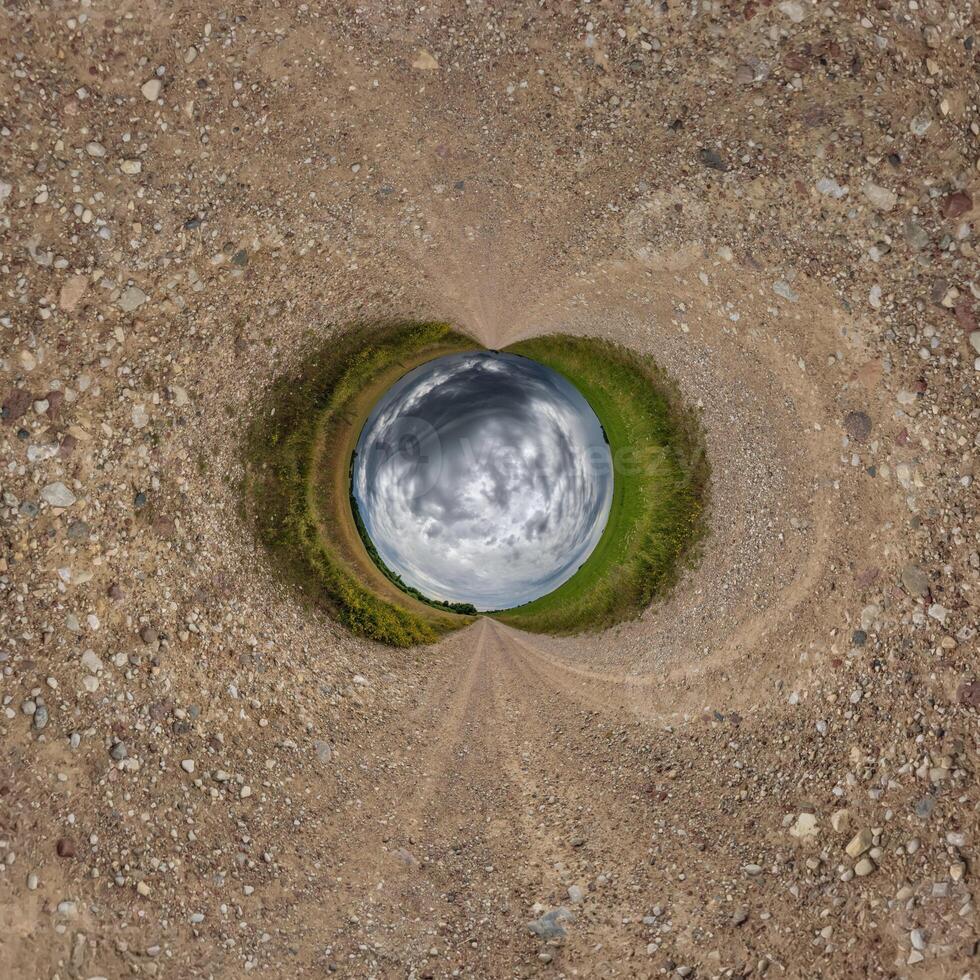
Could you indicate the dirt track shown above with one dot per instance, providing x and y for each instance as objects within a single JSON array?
[{"x": 202, "y": 777}]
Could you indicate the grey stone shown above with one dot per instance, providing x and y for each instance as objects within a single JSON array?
[
  {"x": 78, "y": 531},
  {"x": 785, "y": 290},
  {"x": 552, "y": 924},
  {"x": 925, "y": 806},
  {"x": 132, "y": 298},
  {"x": 857, "y": 425},
  {"x": 713, "y": 160},
  {"x": 914, "y": 580}
]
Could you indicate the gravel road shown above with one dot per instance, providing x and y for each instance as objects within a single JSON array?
[{"x": 772, "y": 771}]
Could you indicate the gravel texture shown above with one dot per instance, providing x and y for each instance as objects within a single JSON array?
[{"x": 773, "y": 771}]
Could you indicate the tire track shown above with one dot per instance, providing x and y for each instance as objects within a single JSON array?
[{"x": 443, "y": 853}]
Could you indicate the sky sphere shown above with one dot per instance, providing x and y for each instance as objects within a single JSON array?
[{"x": 483, "y": 478}]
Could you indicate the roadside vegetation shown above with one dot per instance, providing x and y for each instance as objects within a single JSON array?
[
  {"x": 660, "y": 482},
  {"x": 297, "y": 452},
  {"x": 465, "y": 608},
  {"x": 299, "y": 448}
]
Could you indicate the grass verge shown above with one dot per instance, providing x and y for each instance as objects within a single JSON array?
[
  {"x": 297, "y": 453},
  {"x": 659, "y": 489}
]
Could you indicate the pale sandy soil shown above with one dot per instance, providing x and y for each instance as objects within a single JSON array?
[{"x": 777, "y": 200}]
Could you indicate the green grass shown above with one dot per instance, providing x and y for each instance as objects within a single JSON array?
[
  {"x": 296, "y": 455},
  {"x": 298, "y": 450},
  {"x": 659, "y": 489}
]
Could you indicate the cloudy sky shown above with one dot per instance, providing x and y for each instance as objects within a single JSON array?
[{"x": 483, "y": 478}]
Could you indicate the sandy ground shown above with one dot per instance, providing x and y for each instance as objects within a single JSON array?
[{"x": 773, "y": 771}]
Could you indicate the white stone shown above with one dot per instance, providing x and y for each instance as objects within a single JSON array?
[
  {"x": 58, "y": 495},
  {"x": 864, "y": 867},
  {"x": 920, "y": 125},
  {"x": 805, "y": 827},
  {"x": 830, "y": 187},
  {"x": 794, "y": 11},
  {"x": 151, "y": 89},
  {"x": 860, "y": 842},
  {"x": 880, "y": 197},
  {"x": 425, "y": 61}
]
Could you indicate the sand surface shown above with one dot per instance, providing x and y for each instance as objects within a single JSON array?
[{"x": 773, "y": 771}]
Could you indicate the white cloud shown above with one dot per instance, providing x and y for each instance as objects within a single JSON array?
[{"x": 483, "y": 478}]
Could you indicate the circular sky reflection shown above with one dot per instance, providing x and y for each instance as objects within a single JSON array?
[{"x": 483, "y": 478}]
